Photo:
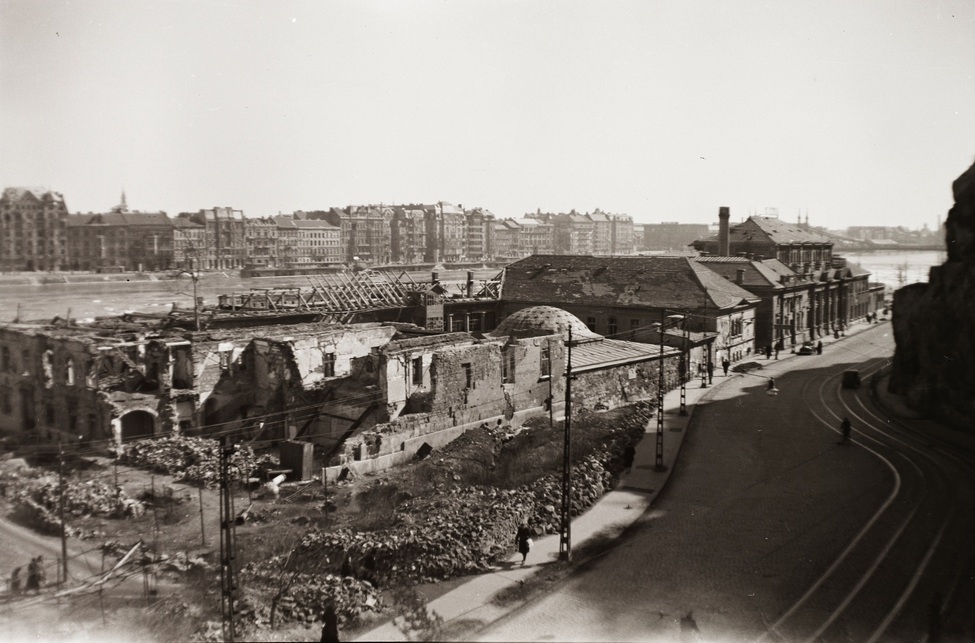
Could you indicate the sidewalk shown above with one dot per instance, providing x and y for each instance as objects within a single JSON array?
[{"x": 469, "y": 607}]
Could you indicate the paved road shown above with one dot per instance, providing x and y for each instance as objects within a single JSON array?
[{"x": 769, "y": 530}]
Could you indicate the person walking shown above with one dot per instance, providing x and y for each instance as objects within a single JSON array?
[
  {"x": 846, "y": 427},
  {"x": 524, "y": 538},
  {"x": 330, "y": 626},
  {"x": 33, "y": 582},
  {"x": 15, "y": 581},
  {"x": 768, "y": 352},
  {"x": 629, "y": 454},
  {"x": 819, "y": 347},
  {"x": 725, "y": 365}
]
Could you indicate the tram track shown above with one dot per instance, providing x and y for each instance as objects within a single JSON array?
[{"x": 878, "y": 587}]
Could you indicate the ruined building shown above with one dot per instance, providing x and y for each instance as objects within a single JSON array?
[
  {"x": 368, "y": 394},
  {"x": 934, "y": 323}
]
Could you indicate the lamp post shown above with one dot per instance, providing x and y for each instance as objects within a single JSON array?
[
  {"x": 195, "y": 276},
  {"x": 565, "y": 533}
]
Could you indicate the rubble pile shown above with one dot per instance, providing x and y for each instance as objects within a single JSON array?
[
  {"x": 306, "y": 595},
  {"x": 453, "y": 528},
  {"x": 40, "y": 505},
  {"x": 192, "y": 460}
]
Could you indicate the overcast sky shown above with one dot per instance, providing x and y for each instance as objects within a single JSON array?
[{"x": 855, "y": 112}]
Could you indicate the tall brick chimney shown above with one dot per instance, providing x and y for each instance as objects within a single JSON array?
[{"x": 724, "y": 233}]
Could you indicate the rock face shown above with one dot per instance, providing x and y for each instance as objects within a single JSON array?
[{"x": 934, "y": 323}]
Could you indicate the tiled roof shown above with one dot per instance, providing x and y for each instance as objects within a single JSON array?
[
  {"x": 653, "y": 282},
  {"x": 592, "y": 356},
  {"x": 124, "y": 219},
  {"x": 757, "y": 274},
  {"x": 17, "y": 193},
  {"x": 313, "y": 223},
  {"x": 777, "y": 231}
]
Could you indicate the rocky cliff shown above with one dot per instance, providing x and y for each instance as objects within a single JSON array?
[{"x": 934, "y": 324}]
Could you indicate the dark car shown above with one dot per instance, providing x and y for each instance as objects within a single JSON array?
[
  {"x": 806, "y": 349},
  {"x": 851, "y": 379}
]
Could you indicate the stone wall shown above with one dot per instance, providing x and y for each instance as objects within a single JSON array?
[{"x": 934, "y": 324}]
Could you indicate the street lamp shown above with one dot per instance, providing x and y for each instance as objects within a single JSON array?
[{"x": 195, "y": 276}]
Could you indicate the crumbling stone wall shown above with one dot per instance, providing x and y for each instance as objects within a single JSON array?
[
  {"x": 934, "y": 323},
  {"x": 621, "y": 385}
]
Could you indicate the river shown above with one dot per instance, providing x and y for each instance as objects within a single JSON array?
[{"x": 87, "y": 300}]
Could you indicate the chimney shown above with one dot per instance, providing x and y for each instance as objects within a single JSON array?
[
  {"x": 739, "y": 276},
  {"x": 435, "y": 277},
  {"x": 724, "y": 234},
  {"x": 470, "y": 283}
]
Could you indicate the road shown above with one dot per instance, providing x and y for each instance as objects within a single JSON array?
[{"x": 770, "y": 530}]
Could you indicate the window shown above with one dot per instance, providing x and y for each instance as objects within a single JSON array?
[
  {"x": 612, "y": 327},
  {"x": 49, "y": 414},
  {"x": 69, "y": 372},
  {"x": 417, "y": 378},
  {"x": 545, "y": 361},
  {"x": 225, "y": 360},
  {"x": 634, "y": 324},
  {"x": 508, "y": 365},
  {"x": 25, "y": 358},
  {"x": 591, "y": 323},
  {"x": 47, "y": 364},
  {"x": 468, "y": 375},
  {"x": 328, "y": 364},
  {"x": 5, "y": 400},
  {"x": 4, "y": 358}
]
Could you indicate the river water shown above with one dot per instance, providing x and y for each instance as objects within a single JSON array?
[{"x": 87, "y": 300}]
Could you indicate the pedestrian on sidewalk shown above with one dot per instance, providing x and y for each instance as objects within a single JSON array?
[
  {"x": 776, "y": 351},
  {"x": 330, "y": 626},
  {"x": 725, "y": 365},
  {"x": 524, "y": 538},
  {"x": 819, "y": 347},
  {"x": 846, "y": 427},
  {"x": 768, "y": 352},
  {"x": 33, "y": 580},
  {"x": 629, "y": 454}
]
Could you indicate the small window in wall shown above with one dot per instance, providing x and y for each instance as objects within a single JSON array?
[
  {"x": 69, "y": 372},
  {"x": 417, "y": 371},
  {"x": 634, "y": 324},
  {"x": 328, "y": 364},
  {"x": 25, "y": 358},
  {"x": 591, "y": 323},
  {"x": 612, "y": 328},
  {"x": 5, "y": 400},
  {"x": 468, "y": 375},
  {"x": 545, "y": 361},
  {"x": 508, "y": 365},
  {"x": 225, "y": 360},
  {"x": 47, "y": 363},
  {"x": 4, "y": 359}
]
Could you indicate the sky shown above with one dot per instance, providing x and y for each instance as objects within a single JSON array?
[{"x": 853, "y": 113}]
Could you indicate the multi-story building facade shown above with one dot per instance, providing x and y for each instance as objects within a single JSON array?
[
  {"x": 120, "y": 241},
  {"x": 478, "y": 234},
  {"x": 225, "y": 241},
  {"x": 452, "y": 226},
  {"x": 672, "y": 236},
  {"x": 622, "y": 234},
  {"x": 365, "y": 232},
  {"x": 535, "y": 237},
  {"x": 408, "y": 234},
  {"x": 602, "y": 234},
  {"x": 189, "y": 244},
  {"x": 261, "y": 238},
  {"x": 318, "y": 243},
  {"x": 33, "y": 230}
]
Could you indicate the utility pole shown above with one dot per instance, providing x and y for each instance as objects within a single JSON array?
[
  {"x": 228, "y": 545},
  {"x": 659, "y": 463},
  {"x": 64, "y": 537},
  {"x": 565, "y": 533},
  {"x": 685, "y": 372}
]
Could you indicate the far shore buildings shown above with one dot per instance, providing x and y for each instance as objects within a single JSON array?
[{"x": 33, "y": 233}]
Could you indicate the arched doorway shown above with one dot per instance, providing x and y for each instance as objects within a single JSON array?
[{"x": 137, "y": 424}]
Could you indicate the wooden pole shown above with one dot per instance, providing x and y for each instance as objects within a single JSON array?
[{"x": 203, "y": 536}]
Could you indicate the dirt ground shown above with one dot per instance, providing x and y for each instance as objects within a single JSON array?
[{"x": 182, "y": 523}]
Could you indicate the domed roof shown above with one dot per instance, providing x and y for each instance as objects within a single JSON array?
[{"x": 547, "y": 319}]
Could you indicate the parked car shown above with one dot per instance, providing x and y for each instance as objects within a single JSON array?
[
  {"x": 851, "y": 379},
  {"x": 807, "y": 348}
]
